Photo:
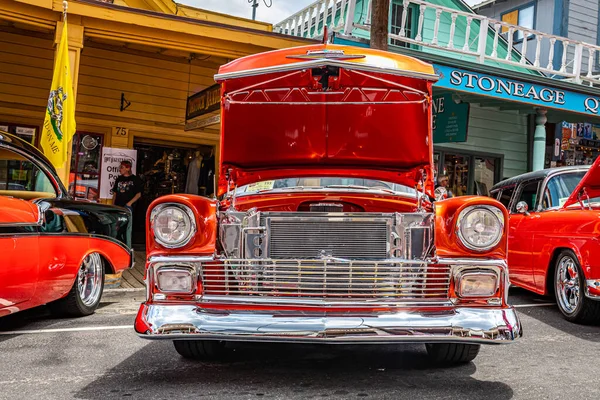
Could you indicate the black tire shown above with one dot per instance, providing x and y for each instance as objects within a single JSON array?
[
  {"x": 200, "y": 349},
  {"x": 586, "y": 310},
  {"x": 452, "y": 353},
  {"x": 72, "y": 304}
]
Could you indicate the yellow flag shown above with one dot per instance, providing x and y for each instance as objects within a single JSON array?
[{"x": 59, "y": 124}]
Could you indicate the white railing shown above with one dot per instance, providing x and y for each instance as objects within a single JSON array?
[
  {"x": 463, "y": 32},
  {"x": 310, "y": 21}
]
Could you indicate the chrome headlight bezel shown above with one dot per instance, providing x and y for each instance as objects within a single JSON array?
[
  {"x": 498, "y": 216},
  {"x": 191, "y": 225}
]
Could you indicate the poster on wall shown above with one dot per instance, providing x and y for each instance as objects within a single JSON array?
[
  {"x": 111, "y": 159},
  {"x": 450, "y": 120}
]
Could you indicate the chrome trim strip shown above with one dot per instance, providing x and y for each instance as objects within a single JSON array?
[
  {"x": 180, "y": 259},
  {"x": 308, "y": 302},
  {"x": 483, "y": 262},
  {"x": 323, "y": 62},
  {"x": 462, "y": 324}
]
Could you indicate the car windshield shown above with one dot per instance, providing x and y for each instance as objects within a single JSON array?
[
  {"x": 357, "y": 184},
  {"x": 560, "y": 187}
]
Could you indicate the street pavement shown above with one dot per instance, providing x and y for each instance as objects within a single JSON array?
[{"x": 100, "y": 357}]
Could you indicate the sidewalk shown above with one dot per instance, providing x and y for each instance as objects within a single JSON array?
[{"x": 131, "y": 278}]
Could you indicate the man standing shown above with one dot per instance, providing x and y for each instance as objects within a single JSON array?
[
  {"x": 442, "y": 191},
  {"x": 127, "y": 188}
]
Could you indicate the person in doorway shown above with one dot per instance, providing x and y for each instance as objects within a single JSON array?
[
  {"x": 442, "y": 191},
  {"x": 127, "y": 188}
]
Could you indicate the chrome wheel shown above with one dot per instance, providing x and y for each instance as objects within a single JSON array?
[
  {"x": 89, "y": 279},
  {"x": 568, "y": 291}
]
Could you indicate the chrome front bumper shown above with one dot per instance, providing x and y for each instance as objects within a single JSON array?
[{"x": 460, "y": 324}]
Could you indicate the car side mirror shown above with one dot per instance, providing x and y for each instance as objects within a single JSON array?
[{"x": 522, "y": 208}]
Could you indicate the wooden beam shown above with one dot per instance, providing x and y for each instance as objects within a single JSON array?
[
  {"x": 380, "y": 11},
  {"x": 164, "y": 30},
  {"x": 36, "y": 13}
]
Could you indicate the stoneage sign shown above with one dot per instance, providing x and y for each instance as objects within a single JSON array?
[
  {"x": 111, "y": 159},
  {"x": 514, "y": 90}
]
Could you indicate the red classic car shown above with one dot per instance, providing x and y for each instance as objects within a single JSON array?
[
  {"x": 553, "y": 236},
  {"x": 325, "y": 232},
  {"x": 53, "y": 249}
]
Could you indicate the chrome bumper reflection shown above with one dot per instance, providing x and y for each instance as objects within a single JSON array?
[
  {"x": 592, "y": 289},
  {"x": 472, "y": 325}
]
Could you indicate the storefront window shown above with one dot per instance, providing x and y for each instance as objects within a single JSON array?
[
  {"x": 456, "y": 167},
  {"x": 26, "y": 132},
  {"x": 85, "y": 166},
  {"x": 468, "y": 174},
  {"x": 484, "y": 171}
]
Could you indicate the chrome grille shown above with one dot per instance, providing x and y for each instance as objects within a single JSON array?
[
  {"x": 316, "y": 237},
  {"x": 327, "y": 280}
]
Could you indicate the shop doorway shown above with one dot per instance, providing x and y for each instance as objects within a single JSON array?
[
  {"x": 469, "y": 173},
  {"x": 169, "y": 168}
]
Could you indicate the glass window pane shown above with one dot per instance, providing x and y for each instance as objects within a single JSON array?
[
  {"x": 526, "y": 17},
  {"x": 511, "y": 17},
  {"x": 456, "y": 167},
  {"x": 484, "y": 171},
  {"x": 20, "y": 178},
  {"x": 559, "y": 189},
  {"x": 506, "y": 196},
  {"x": 529, "y": 194}
]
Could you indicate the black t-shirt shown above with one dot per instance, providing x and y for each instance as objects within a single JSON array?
[{"x": 126, "y": 187}]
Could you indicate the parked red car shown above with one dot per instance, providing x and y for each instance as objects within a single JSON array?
[
  {"x": 553, "y": 236},
  {"x": 54, "y": 250},
  {"x": 325, "y": 232}
]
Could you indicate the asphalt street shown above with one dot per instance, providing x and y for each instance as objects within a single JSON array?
[{"x": 100, "y": 357}]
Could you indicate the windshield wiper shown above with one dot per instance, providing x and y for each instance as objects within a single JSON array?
[{"x": 359, "y": 187}]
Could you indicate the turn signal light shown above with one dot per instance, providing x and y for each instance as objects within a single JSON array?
[
  {"x": 477, "y": 284},
  {"x": 175, "y": 280}
]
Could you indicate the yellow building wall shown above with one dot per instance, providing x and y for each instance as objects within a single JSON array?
[
  {"x": 26, "y": 64},
  {"x": 157, "y": 89}
]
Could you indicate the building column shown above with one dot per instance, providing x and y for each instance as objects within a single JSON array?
[
  {"x": 539, "y": 139},
  {"x": 75, "y": 40}
]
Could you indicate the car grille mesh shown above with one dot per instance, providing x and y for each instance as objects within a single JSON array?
[{"x": 308, "y": 239}]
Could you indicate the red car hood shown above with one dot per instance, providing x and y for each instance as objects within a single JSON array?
[
  {"x": 326, "y": 110},
  {"x": 17, "y": 211},
  {"x": 589, "y": 186}
]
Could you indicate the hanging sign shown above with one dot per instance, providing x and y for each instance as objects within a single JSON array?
[
  {"x": 111, "y": 160},
  {"x": 515, "y": 90},
  {"x": 450, "y": 120},
  {"x": 203, "y": 102}
]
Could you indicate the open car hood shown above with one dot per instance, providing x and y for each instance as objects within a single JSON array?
[
  {"x": 326, "y": 110},
  {"x": 588, "y": 187}
]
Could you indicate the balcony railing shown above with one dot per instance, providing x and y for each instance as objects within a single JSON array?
[
  {"x": 309, "y": 21},
  {"x": 447, "y": 29}
]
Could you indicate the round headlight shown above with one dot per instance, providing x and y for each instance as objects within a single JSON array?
[
  {"x": 173, "y": 224},
  {"x": 480, "y": 227}
]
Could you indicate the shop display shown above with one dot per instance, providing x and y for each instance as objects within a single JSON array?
[
  {"x": 170, "y": 170},
  {"x": 579, "y": 144},
  {"x": 85, "y": 166}
]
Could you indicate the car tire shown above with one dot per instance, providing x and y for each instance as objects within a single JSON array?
[
  {"x": 200, "y": 349},
  {"x": 452, "y": 353},
  {"x": 569, "y": 289},
  {"x": 84, "y": 297}
]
